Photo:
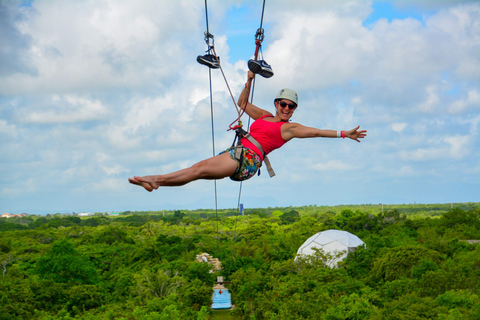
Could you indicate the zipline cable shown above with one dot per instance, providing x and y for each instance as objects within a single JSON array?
[
  {"x": 258, "y": 41},
  {"x": 213, "y": 149},
  {"x": 248, "y": 128},
  {"x": 206, "y": 15},
  {"x": 263, "y": 10},
  {"x": 207, "y": 36}
]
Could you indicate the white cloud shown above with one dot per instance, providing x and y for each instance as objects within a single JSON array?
[
  {"x": 399, "y": 127},
  {"x": 431, "y": 101},
  {"x": 333, "y": 165},
  {"x": 423, "y": 154},
  {"x": 395, "y": 170},
  {"x": 398, "y": 63},
  {"x": 70, "y": 109},
  {"x": 26, "y": 187},
  {"x": 459, "y": 146},
  {"x": 96, "y": 90},
  {"x": 109, "y": 166},
  {"x": 405, "y": 171},
  {"x": 95, "y": 45},
  {"x": 104, "y": 186},
  {"x": 7, "y": 129},
  {"x": 458, "y": 26},
  {"x": 471, "y": 102},
  {"x": 450, "y": 147}
]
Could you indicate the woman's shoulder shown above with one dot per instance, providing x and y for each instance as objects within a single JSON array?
[
  {"x": 263, "y": 113},
  {"x": 289, "y": 125},
  {"x": 266, "y": 116}
]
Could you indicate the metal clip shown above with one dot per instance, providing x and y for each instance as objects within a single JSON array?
[
  {"x": 260, "y": 34},
  {"x": 207, "y": 38}
]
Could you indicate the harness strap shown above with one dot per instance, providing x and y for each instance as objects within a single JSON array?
[{"x": 241, "y": 132}]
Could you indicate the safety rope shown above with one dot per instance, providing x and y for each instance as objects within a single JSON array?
[
  {"x": 259, "y": 36},
  {"x": 239, "y": 110}
]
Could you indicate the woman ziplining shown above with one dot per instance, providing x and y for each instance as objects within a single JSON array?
[{"x": 269, "y": 132}]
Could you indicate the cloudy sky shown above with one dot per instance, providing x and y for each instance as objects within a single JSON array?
[{"x": 94, "y": 92}]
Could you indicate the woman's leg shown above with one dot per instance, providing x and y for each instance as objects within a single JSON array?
[{"x": 217, "y": 167}]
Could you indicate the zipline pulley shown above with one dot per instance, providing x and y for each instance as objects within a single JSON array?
[
  {"x": 260, "y": 35},
  {"x": 209, "y": 36}
]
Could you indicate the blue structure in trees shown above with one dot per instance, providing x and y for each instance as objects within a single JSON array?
[{"x": 221, "y": 299}]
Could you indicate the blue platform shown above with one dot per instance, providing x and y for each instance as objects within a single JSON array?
[{"x": 221, "y": 300}]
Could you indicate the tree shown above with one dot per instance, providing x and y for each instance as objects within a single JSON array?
[
  {"x": 200, "y": 271},
  {"x": 196, "y": 294},
  {"x": 461, "y": 302},
  {"x": 164, "y": 308},
  {"x": 169, "y": 247},
  {"x": 290, "y": 216},
  {"x": 157, "y": 284},
  {"x": 5, "y": 261},
  {"x": 350, "y": 307},
  {"x": 64, "y": 264},
  {"x": 398, "y": 262},
  {"x": 114, "y": 234},
  {"x": 246, "y": 285}
]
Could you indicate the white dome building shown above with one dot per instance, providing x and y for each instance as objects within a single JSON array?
[{"x": 336, "y": 243}]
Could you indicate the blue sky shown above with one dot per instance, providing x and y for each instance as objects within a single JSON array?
[
  {"x": 92, "y": 93},
  {"x": 387, "y": 10}
]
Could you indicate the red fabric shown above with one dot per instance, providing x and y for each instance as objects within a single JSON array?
[{"x": 268, "y": 134}]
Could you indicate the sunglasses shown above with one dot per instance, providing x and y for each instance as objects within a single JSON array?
[{"x": 291, "y": 106}]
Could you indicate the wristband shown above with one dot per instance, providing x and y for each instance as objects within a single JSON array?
[
  {"x": 338, "y": 134},
  {"x": 343, "y": 134}
]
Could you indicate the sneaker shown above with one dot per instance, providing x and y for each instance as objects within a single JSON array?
[
  {"x": 209, "y": 60},
  {"x": 260, "y": 67}
]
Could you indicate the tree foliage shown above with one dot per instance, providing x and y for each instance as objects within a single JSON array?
[
  {"x": 416, "y": 264},
  {"x": 64, "y": 264}
]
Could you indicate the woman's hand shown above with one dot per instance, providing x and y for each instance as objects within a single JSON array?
[{"x": 356, "y": 134}]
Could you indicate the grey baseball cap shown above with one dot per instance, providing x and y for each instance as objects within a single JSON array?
[{"x": 288, "y": 94}]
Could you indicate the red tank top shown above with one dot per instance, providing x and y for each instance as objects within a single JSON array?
[{"x": 267, "y": 133}]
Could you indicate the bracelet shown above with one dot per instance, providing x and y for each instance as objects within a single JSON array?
[
  {"x": 343, "y": 134},
  {"x": 338, "y": 134}
]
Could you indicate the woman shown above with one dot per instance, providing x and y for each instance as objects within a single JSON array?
[{"x": 271, "y": 131}]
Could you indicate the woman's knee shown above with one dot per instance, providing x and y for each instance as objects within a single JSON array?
[
  {"x": 203, "y": 169},
  {"x": 214, "y": 168},
  {"x": 198, "y": 168}
]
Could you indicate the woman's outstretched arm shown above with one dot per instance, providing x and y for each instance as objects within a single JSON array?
[{"x": 296, "y": 130}]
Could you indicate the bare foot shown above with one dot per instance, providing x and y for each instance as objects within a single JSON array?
[
  {"x": 150, "y": 183},
  {"x": 142, "y": 184}
]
